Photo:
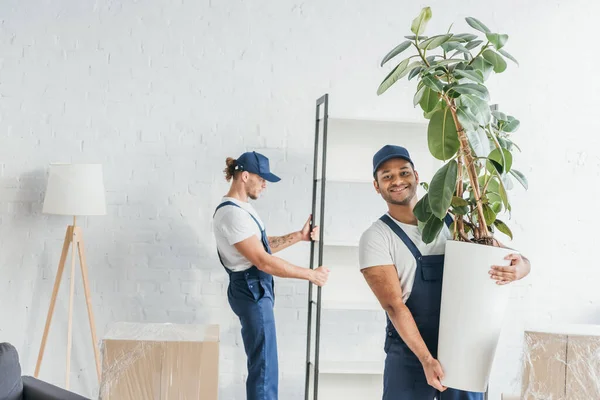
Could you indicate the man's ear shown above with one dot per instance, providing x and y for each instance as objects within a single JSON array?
[
  {"x": 417, "y": 177},
  {"x": 245, "y": 176},
  {"x": 376, "y": 186}
]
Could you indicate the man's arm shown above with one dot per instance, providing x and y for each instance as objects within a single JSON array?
[
  {"x": 519, "y": 268},
  {"x": 383, "y": 281},
  {"x": 279, "y": 243},
  {"x": 253, "y": 250}
]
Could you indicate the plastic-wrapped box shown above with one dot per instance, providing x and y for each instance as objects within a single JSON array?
[
  {"x": 562, "y": 363},
  {"x": 160, "y": 361}
]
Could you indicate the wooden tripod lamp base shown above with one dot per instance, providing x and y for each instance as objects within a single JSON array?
[
  {"x": 74, "y": 240},
  {"x": 72, "y": 190}
]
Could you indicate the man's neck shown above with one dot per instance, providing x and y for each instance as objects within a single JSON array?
[
  {"x": 403, "y": 213},
  {"x": 237, "y": 193}
]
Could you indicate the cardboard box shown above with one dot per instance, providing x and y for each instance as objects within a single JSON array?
[
  {"x": 562, "y": 363},
  {"x": 160, "y": 362}
]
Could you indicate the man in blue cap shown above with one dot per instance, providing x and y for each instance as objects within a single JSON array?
[
  {"x": 392, "y": 255},
  {"x": 245, "y": 251}
]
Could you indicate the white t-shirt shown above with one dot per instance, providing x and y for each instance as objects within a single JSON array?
[
  {"x": 231, "y": 225},
  {"x": 379, "y": 245}
]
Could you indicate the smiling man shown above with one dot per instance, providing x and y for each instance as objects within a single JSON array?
[
  {"x": 392, "y": 256},
  {"x": 245, "y": 251}
]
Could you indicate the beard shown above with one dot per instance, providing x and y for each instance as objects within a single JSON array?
[
  {"x": 410, "y": 193},
  {"x": 253, "y": 194}
]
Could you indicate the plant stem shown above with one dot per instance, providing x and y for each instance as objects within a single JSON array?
[
  {"x": 481, "y": 231},
  {"x": 420, "y": 54},
  {"x": 480, "y": 51},
  {"x": 459, "y": 222}
]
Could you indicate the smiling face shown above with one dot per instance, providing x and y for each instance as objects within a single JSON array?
[{"x": 397, "y": 182}]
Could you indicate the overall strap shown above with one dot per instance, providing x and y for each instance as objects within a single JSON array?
[
  {"x": 448, "y": 220},
  {"x": 231, "y": 203},
  {"x": 263, "y": 235},
  {"x": 404, "y": 237}
]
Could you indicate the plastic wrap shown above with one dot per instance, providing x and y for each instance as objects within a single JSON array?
[
  {"x": 160, "y": 361},
  {"x": 562, "y": 363}
]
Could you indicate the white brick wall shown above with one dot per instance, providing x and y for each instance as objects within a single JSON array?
[{"x": 161, "y": 92}]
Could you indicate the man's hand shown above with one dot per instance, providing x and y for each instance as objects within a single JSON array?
[
  {"x": 519, "y": 267},
  {"x": 307, "y": 234},
  {"x": 319, "y": 276},
  {"x": 434, "y": 373}
]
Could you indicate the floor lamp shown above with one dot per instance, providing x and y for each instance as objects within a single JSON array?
[{"x": 73, "y": 190}]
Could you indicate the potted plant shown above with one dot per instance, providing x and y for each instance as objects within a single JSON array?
[{"x": 474, "y": 143}]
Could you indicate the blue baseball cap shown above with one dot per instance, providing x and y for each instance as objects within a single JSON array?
[
  {"x": 256, "y": 163},
  {"x": 388, "y": 152}
]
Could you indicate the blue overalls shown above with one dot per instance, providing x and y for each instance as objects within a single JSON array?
[
  {"x": 251, "y": 296},
  {"x": 404, "y": 378}
]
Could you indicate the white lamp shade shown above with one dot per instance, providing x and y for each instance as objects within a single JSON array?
[{"x": 75, "y": 189}]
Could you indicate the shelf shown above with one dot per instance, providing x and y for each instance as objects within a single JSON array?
[
  {"x": 350, "y": 305},
  {"x": 351, "y": 367},
  {"x": 347, "y": 180},
  {"x": 333, "y": 243}
]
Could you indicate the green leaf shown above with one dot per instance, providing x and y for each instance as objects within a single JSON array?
[
  {"x": 483, "y": 65},
  {"x": 478, "y": 141},
  {"x": 433, "y": 83},
  {"x": 507, "y": 55},
  {"x": 473, "y": 89},
  {"x": 431, "y": 229},
  {"x": 500, "y": 116},
  {"x": 512, "y": 125},
  {"x": 494, "y": 166},
  {"x": 420, "y": 23},
  {"x": 508, "y": 183},
  {"x": 393, "y": 76},
  {"x": 478, "y": 107},
  {"x": 502, "y": 192},
  {"x": 475, "y": 76},
  {"x": 496, "y": 207},
  {"x": 473, "y": 44},
  {"x": 434, "y": 41},
  {"x": 496, "y": 60},
  {"x": 461, "y": 210},
  {"x": 467, "y": 120},
  {"x": 442, "y": 137},
  {"x": 414, "y": 72},
  {"x": 449, "y": 46},
  {"x": 413, "y": 37},
  {"x": 459, "y": 202},
  {"x": 476, "y": 24},
  {"x": 422, "y": 210},
  {"x": 488, "y": 214},
  {"x": 520, "y": 178},
  {"x": 444, "y": 63},
  {"x": 497, "y": 39},
  {"x": 502, "y": 227},
  {"x": 504, "y": 158},
  {"x": 441, "y": 189},
  {"x": 467, "y": 37},
  {"x": 397, "y": 50},
  {"x": 419, "y": 95},
  {"x": 429, "y": 100}
]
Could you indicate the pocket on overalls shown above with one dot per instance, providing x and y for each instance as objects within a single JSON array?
[
  {"x": 431, "y": 272},
  {"x": 255, "y": 287}
]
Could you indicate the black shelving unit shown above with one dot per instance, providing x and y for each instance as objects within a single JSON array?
[{"x": 316, "y": 248}]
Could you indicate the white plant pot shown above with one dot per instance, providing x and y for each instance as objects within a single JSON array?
[{"x": 471, "y": 315}]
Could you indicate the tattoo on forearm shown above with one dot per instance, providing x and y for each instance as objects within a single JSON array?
[{"x": 278, "y": 242}]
